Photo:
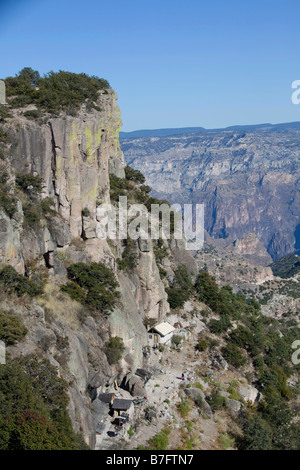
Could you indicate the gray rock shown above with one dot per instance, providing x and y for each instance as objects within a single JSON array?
[
  {"x": 136, "y": 387},
  {"x": 249, "y": 393},
  {"x": 145, "y": 245},
  {"x": 59, "y": 231},
  {"x": 234, "y": 405}
]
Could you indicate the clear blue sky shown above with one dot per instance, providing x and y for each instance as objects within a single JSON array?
[{"x": 173, "y": 63}]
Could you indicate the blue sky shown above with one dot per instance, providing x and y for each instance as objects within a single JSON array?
[{"x": 172, "y": 63}]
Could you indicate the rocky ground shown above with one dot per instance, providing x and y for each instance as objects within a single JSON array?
[{"x": 196, "y": 427}]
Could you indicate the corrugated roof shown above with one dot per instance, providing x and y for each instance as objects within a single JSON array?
[
  {"x": 164, "y": 328},
  {"x": 121, "y": 404}
]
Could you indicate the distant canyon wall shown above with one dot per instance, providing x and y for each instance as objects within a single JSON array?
[{"x": 248, "y": 181}]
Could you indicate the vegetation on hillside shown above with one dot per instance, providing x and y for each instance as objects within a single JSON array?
[
  {"x": 181, "y": 289},
  {"x": 93, "y": 285},
  {"x": 287, "y": 266},
  {"x": 114, "y": 349},
  {"x": 11, "y": 328},
  {"x": 53, "y": 92},
  {"x": 15, "y": 283},
  {"x": 266, "y": 344},
  {"x": 33, "y": 408}
]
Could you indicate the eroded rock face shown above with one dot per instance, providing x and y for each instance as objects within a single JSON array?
[
  {"x": 75, "y": 156},
  {"x": 10, "y": 241},
  {"x": 248, "y": 181},
  {"x": 250, "y": 247}
]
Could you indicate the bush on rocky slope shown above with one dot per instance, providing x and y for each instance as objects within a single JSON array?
[
  {"x": 55, "y": 91},
  {"x": 33, "y": 408},
  {"x": 94, "y": 285}
]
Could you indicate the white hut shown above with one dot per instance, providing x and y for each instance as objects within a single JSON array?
[{"x": 161, "y": 334}]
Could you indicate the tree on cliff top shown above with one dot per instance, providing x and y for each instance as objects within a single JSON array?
[{"x": 55, "y": 91}]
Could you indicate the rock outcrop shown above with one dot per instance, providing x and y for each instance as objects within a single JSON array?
[{"x": 75, "y": 156}]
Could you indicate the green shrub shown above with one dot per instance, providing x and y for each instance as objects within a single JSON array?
[
  {"x": 118, "y": 187},
  {"x": 177, "y": 296},
  {"x": 129, "y": 256},
  {"x": 30, "y": 184},
  {"x": 160, "y": 250},
  {"x": 222, "y": 301},
  {"x": 47, "y": 207},
  {"x": 101, "y": 298},
  {"x": 4, "y": 113},
  {"x": 3, "y": 135},
  {"x": 18, "y": 284},
  {"x": 234, "y": 355},
  {"x": 134, "y": 175},
  {"x": 8, "y": 202},
  {"x": 55, "y": 91},
  {"x": 183, "y": 279},
  {"x": 11, "y": 328},
  {"x": 244, "y": 338},
  {"x": 184, "y": 407},
  {"x": 32, "y": 214},
  {"x": 145, "y": 188},
  {"x": 114, "y": 349},
  {"x": 95, "y": 286},
  {"x": 33, "y": 113},
  {"x": 226, "y": 442},
  {"x": 202, "y": 345},
  {"x": 233, "y": 393},
  {"x": 257, "y": 434},
  {"x": 74, "y": 291},
  {"x": 216, "y": 401},
  {"x": 259, "y": 365},
  {"x": 160, "y": 441},
  {"x": 219, "y": 326},
  {"x": 33, "y": 408},
  {"x": 86, "y": 212},
  {"x": 176, "y": 340}
]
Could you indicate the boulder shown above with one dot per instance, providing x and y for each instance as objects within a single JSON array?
[
  {"x": 59, "y": 231},
  {"x": 234, "y": 405},
  {"x": 136, "y": 387},
  {"x": 145, "y": 245},
  {"x": 249, "y": 393}
]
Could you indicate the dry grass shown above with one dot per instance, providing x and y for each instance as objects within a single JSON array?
[{"x": 59, "y": 306}]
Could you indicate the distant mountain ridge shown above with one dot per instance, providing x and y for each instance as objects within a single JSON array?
[{"x": 190, "y": 130}]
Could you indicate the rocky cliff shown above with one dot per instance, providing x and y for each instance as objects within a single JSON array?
[
  {"x": 75, "y": 156},
  {"x": 248, "y": 180}
]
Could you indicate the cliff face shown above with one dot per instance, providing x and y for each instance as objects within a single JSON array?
[
  {"x": 74, "y": 156},
  {"x": 248, "y": 181}
]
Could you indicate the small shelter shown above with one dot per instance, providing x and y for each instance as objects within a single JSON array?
[
  {"x": 161, "y": 333},
  {"x": 121, "y": 405}
]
